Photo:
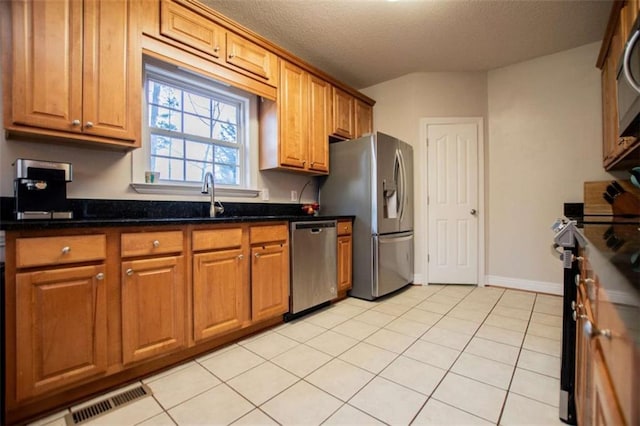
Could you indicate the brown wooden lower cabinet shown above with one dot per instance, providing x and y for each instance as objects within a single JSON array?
[
  {"x": 153, "y": 307},
  {"x": 61, "y": 333},
  {"x": 269, "y": 280},
  {"x": 345, "y": 256},
  {"x": 171, "y": 295},
  {"x": 219, "y": 292}
]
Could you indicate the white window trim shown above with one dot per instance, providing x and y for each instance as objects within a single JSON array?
[{"x": 139, "y": 165}]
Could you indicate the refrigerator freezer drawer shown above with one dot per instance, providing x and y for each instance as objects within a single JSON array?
[{"x": 393, "y": 262}]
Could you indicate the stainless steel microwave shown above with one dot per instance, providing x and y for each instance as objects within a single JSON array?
[{"x": 628, "y": 82}]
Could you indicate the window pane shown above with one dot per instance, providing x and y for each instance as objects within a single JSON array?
[
  {"x": 196, "y": 104},
  {"x": 225, "y": 132},
  {"x": 166, "y": 119},
  {"x": 199, "y": 151},
  {"x": 227, "y": 175},
  {"x": 165, "y": 146},
  {"x": 164, "y": 95},
  {"x": 196, "y": 170},
  {"x": 226, "y": 155},
  {"x": 198, "y": 126},
  {"x": 225, "y": 112},
  {"x": 169, "y": 169}
]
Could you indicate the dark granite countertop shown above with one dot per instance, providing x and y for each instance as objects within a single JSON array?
[{"x": 110, "y": 213}]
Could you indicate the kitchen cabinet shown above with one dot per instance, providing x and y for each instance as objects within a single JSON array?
[
  {"x": 75, "y": 72},
  {"x": 605, "y": 354},
  {"x": 202, "y": 33},
  {"x": 345, "y": 256},
  {"x": 130, "y": 301},
  {"x": 153, "y": 295},
  {"x": 295, "y": 130},
  {"x": 617, "y": 152},
  {"x": 269, "y": 271},
  {"x": 343, "y": 114},
  {"x": 56, "y": 309},
  {"x": 220, "y": 282},
  {"x": 364, "y": 118}
]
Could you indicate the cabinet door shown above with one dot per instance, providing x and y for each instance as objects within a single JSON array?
[
  {"x": 269, "y": 281},
  {"x": 58, "y": 310},
  {"x": 47, "y": 64},
  {"x": 606, "y": 409},
  {"x": 364, "y": 118},
  {"x": 153, "y": 307},
  {"x": 342, "y": 114},
  {"x": 252, "y": 58},
  {"x": 112, "y": 69},
  {"x": 293, "y": 116},
  {"x": 219, "y": 292},
  {"x": 583, "y": 363},
  {"x": 319, "y": 115},
  {"x": 344, "y": 263}
]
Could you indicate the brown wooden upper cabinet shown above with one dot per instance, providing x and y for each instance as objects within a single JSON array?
[
  {"x": 194, "y": 30},
  {"x": 352, "y": 117},
  {"x": 75, "y": 71},
  {"x": 295, "y": 130},
  {"x": 617, "y": 152}
]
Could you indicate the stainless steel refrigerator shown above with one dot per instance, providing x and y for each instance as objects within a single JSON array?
[{"x": 372, "y": 179}]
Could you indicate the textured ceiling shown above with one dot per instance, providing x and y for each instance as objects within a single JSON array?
[{"x": 365, "y": 42}]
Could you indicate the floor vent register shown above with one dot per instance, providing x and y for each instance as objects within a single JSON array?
[{"x": 107, "y": 405}]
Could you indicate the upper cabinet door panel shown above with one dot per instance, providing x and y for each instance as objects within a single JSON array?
[
  {"x": 112, "y": 66},
  {"x": 319, "y": 117},
  {"x": 342, "y": 114},
  {"x": 364, "y": 118},
  {"x": 252, "y": 58},
  {"x": 185, "y": 26},
  {"x": 293, "y": 111},
  {"x": 47, "y": 64}
]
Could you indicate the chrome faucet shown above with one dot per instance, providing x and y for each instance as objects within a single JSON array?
[{"x": 209, "y": 187}]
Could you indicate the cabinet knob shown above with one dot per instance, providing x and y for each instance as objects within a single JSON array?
[
  {"x": 257, "y": 255},
  {"x": 66, "y": 250},
  {"x": 576, "y": 279},
  {"x": 100, "y": 276},
  {"x": 593, "y": 331},
  {"x": 75, "y": 123},
  {"x": 156, "y": 243},
  {"x": 88, "y": 124},
  {"x": 241, "y": 256},
  {"x": 216, "y": 49},
  {"x": 129, "y": 272},
  {"x": 232, "y": 55}
]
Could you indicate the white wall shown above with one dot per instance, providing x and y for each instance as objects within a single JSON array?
[
  {"x": 545, "y": 141},
  {"x": 403, "y": 102}
]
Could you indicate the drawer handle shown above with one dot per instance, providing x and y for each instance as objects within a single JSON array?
[
  {"x": 129, "y": 271},
  {"x": 257, "y": 255},
  {"x": 100, "y": 276},
  {"x": 156, "y": 243},
  {"x": 66, "y": 250}
]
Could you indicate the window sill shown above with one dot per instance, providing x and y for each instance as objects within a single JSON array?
[{"x": 186, "y": 189}]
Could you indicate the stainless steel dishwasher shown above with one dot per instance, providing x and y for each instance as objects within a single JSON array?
[{"x": 313, "y": 264}]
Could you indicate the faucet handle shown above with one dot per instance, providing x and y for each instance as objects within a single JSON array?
[{"x": 219, "y": 208}]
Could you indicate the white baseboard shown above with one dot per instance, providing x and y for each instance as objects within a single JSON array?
[
  {"x": 417, "y": 279},
  {"x": 528, "y": 285}
]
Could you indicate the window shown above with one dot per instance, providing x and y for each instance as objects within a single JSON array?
[{"x": 195, "y": 127}]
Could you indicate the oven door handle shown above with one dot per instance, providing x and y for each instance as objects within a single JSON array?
[{"x": 627, "y": 59}]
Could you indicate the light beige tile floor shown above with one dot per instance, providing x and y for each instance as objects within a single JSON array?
[{"x": 426, "y": 355}]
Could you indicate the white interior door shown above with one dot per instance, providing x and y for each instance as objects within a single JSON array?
[{"x": 452, "y": 164}]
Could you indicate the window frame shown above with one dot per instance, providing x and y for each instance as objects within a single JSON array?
[{"x": 201, "y": 85}]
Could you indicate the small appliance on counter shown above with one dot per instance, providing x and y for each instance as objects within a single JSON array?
[{"x": 40, "y": 189}]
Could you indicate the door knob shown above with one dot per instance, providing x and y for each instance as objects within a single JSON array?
[{"x": 473, "y": 212}]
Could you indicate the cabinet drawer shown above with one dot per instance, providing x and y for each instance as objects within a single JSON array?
[
  {"x": 185, "y": 26},
  {"x": 146, "y": 243},
  {"x": 214, "y": 239},
  {"x": 345, "y": 227},
  {"x": 268, "y": 233},
  {"x": 59, "y": 250}
]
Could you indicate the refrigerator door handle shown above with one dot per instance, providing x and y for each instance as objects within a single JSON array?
[
  {"x": 402, "y": 196},
  {"x": 388, "y": 239}
]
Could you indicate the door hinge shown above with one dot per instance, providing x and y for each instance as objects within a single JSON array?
[{"x": 428, "y": 258}]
